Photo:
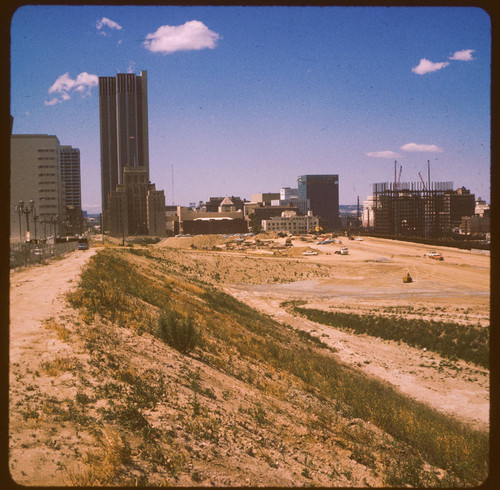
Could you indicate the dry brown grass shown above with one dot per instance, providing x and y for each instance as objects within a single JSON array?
[
  {"x": 59, "y": 365},
  {"x": 102, "y": 466},
  {"x": 62, "y": 332}
]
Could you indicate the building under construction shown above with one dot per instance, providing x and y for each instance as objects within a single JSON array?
[{"x": 420, "y": 209}]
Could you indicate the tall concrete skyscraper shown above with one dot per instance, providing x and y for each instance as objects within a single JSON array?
[
  {"x": 123, "y": 118},
  {"x": 323, "y": 194}
]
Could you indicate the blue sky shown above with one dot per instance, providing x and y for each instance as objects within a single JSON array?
[{"x": 243, "y": 100}]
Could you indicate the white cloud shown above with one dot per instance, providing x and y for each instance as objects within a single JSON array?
[
  {"x": 422, "y": 148},
  {"x": 85, "y": 81},
  {"x": 464, "y": 55},
  {"x": 109, "y": 23},
  {"x": 62, "y": 84},
  {"x": 426, "y": 66},
  {"x": 192, "y": 35},
  {"x": 65, "y": 86},
  {"x": 382, "y": 154},
  {"x": 52, "y": 102}
]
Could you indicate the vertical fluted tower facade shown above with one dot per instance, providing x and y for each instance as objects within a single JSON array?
[{"x": 123, "y": 118}]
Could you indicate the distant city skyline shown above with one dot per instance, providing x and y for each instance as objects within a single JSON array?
[{"x": 244, "y": 100}]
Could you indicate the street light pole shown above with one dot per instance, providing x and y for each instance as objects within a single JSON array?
[
  {"x": 19, "y": 209},
  {"x": 35, "y": 218},
  {"x": 27, "y": 213}
]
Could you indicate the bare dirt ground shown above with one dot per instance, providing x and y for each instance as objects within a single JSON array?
[
  {"x": 47, "y": 444},
  {"x": 36, "y": 294},
  {"x": 370, "y": 280}
]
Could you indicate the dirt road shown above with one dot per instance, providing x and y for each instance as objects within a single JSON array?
[{"x": 36, "y": 294}]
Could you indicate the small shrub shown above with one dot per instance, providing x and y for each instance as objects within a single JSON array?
[
  {"x": 197, "y": 476},
  {"x": 102, "y": 467},
  {"x": 59, "y": 365},
  {"x": 260, "y": 415},
  {"x": 180, "y": 333},
  {"x": 62, "y": 332},
  {"x": 82, "y": 399}
]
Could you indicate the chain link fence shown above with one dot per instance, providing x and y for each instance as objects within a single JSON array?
[{"x": 23, "y": 254}]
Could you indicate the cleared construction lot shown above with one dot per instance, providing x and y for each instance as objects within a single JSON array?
[
  {"x": 369, "y": 280},
  {"x": 371, "y": 276}
]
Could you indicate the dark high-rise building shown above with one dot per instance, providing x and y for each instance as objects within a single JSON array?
[
  {"x": 70, "y": 173},
  {"x": 72, "y": 187},
  {"x": 123, "y": 118},
  {"x": 323, "y": 194}
]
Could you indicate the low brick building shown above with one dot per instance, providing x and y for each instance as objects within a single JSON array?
[{"x": 208, "y": 223}]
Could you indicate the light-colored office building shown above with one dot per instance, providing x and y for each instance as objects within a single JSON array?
[
  {"x": 157, "y": 222},
  {"x": 36, "y": 176},
  {"x": 265, "y": 197},
  {"x": 289, "y": 222},
  {"x": 367, "y": 217},
  {"x": 482, "y": 207}
]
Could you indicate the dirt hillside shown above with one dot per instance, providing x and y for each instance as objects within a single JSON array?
[{"x": 101, "y": 399}]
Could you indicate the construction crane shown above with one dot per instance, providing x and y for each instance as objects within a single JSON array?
[
  {"x": 423, "y": 183},
  {"x": 398, "y": 179}
]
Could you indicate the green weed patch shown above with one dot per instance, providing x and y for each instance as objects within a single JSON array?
[{"x": 452, "y": 340}]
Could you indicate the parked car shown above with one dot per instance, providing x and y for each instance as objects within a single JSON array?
[
  {"x": 82, "y": 246},
  {"x": 434, "y": 255}
]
